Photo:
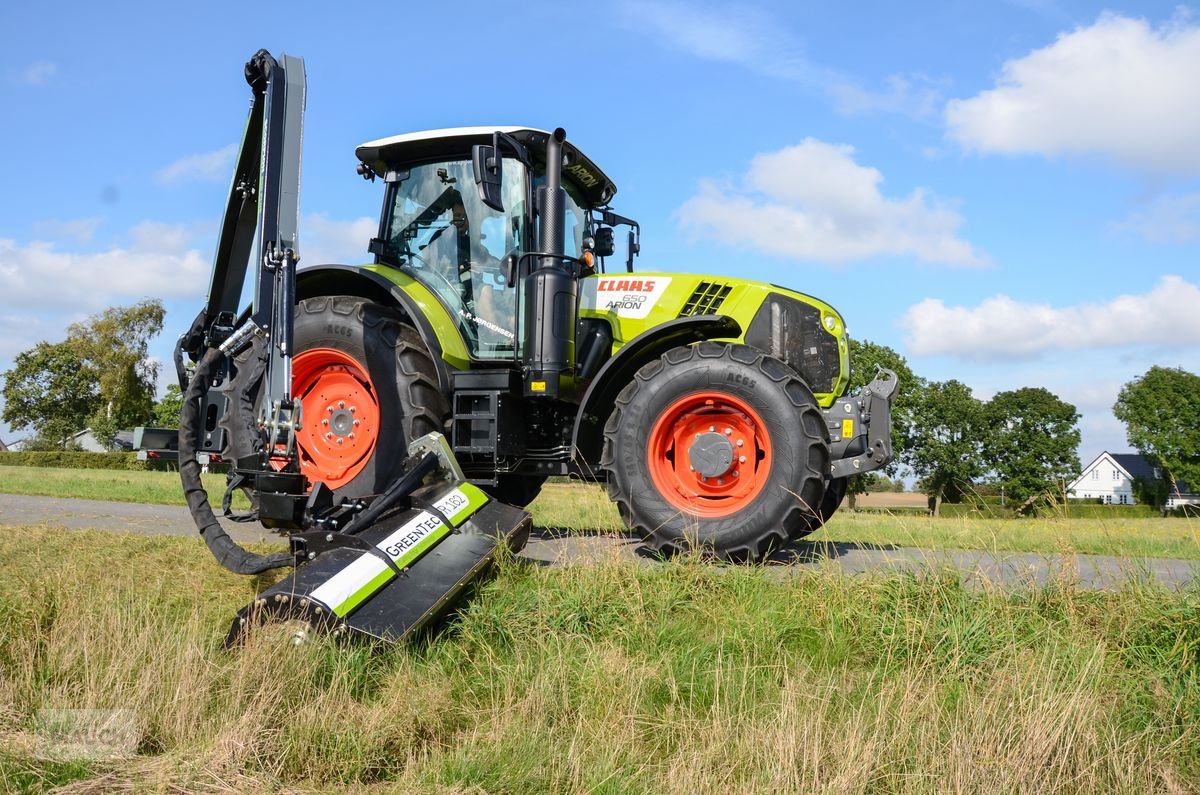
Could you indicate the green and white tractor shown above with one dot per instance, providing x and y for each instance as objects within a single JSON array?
[{"x": 713, "y": 407}]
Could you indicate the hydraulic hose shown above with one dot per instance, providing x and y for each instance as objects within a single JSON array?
[{"x": 227, "y": 551}]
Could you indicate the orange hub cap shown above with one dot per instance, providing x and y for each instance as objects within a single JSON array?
[
  {"x": 339, "y": 415},
  {"x": 709, "y": 454}
]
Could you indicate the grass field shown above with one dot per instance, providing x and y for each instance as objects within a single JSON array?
[
  {"x": 584, "y": 508},
  {"x": 680, "y": 678}
]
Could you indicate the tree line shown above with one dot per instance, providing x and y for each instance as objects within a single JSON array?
[
  {"x": 99, "y": 377},
  {"x": 1022, "y": 441}
]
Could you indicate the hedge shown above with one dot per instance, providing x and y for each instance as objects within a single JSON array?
[
  {"x": 72, "y": 459},
  {"x": 1088, "y": 510}
]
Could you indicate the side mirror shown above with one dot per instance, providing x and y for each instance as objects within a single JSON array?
[
  {"x": 603, "y": 245},
  {"x": 635, "y": 247},
  {"x": 488, "y": 173}
]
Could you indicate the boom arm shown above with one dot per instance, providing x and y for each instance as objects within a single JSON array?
[{"x": 263, "y": 199}]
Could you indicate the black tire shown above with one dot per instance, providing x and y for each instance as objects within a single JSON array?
[
  {"x": 388, "y": 350},
  {"x": 793, "y": 485},
  {"x": 835, "y": 492},
  {"x": 518, "y": 490}
]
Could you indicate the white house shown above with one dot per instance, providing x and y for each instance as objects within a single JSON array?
[
  {"x": 86, "y": 440},
  {"x": 1110, "y": 479}
]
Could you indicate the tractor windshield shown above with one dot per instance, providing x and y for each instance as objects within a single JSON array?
[{"x": 440, "y": 233}]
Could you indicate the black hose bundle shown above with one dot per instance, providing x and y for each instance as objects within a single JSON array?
[{"x": 227, "y": 551}]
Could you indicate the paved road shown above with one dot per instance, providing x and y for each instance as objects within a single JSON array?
[{"x": 551, "y": 547}]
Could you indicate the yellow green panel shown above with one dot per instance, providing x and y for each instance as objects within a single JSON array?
[{"x": 454, "y": 349}]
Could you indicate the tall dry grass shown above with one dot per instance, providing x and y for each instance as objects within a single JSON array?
[{"x": 683, "y": 677}]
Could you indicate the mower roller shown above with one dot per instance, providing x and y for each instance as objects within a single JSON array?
[{"x": 392, "y": 418}]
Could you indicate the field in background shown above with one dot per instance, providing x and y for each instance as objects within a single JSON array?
[
  {"x": 680, "y": 678},
  {"x": 584, "y": 508}
]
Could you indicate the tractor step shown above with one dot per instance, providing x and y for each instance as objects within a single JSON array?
[{"x": 401, "y": 575}]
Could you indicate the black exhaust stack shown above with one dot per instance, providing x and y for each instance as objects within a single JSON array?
[{"x": 550, "y": 288}]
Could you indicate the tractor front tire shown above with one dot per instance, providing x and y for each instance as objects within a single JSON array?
[
  {"x": 717, "y": 447},
  {"x": 367, "y": 387}
]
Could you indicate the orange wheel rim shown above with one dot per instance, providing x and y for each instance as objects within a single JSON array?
[
  {"x": 709, "y": 454},
  {"x": 339, "y": 415}
]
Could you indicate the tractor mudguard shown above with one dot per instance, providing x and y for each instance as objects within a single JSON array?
[
  {"x": 588, "y": 434},
  {"x": 404, "y": 573},
  {"x": 362, "y": 281}
]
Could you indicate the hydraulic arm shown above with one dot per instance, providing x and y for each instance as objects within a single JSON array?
[{"x": 381, "y": 566}]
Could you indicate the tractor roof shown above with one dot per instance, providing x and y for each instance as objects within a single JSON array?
[{"x": 457, "y": 142}]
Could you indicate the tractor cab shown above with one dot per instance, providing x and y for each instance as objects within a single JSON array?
[{"x": 467, "y": 229}]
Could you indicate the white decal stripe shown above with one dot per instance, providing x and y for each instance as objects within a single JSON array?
[
  {"x": 410, "y": 532},
  {"x": 348, "y": 581}
]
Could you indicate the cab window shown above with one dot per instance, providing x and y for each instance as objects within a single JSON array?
[{"x": 440, "y": 233}]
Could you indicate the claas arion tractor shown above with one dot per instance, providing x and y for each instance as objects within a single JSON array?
[{"x": 392, "y": 419}]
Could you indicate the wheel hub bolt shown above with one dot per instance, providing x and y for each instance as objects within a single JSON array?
[
  {"x": 729, "y": 431},
  {"x": 353, "y": 409},
  {"x": 325, "y": 422},
  {"x": 741, "y": 459},
  {"x": 341, "y": 404},
  {"x": 741, "y": 442},
  {"x": 339, "y": 440},
  {"x": 328, "y": 435}
]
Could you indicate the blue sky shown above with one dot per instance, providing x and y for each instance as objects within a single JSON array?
[{"x": 1006, "y": 193}]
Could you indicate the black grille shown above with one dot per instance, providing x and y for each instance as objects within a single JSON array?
[
  {"x": 706, "y": 299},
  {"x": 791, "y": 330}
]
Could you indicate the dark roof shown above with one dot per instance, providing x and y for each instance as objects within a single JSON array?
[
  {"x": 1142, "y": 468},
  {"x": 1137, "y": 465}
]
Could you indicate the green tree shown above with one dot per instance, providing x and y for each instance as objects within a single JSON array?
[
  {"x": 167, "y": 410},
  {"x": 1031, "y": 441},
  {"x": 99, "y": 376},
  {"x": 946, "y": 441},
  {"x": 51, "y": 391},
  {"x": 866, "y": 358},
  {"x": 1160, "y": 412},
  {"x": 114, "y": 345}
]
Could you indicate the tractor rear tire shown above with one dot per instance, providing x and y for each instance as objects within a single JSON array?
[
  {"x": 717, "y": 447},
  {"x": 349, "y": 351}
]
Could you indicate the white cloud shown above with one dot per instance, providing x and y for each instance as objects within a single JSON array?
[
  {"x": 731, "y": 34},
  {"x": 1003, "y": 328},
  {"x": 1169, "y": 219},
  {"x": 913, "y": 94},
  {"x": 753, "y": 40},
  {"x": 38, "y": 73},
  {"x": 78, "y": 230},
  {"x": 1119, "y": 88},
  {"x": 813, "y": 202},
  {"x": 324, "y": 240},
  {"x": 160, "y": 261},
  {"x": 20, "y": 332},
  {"x": 204, "y": 167}
]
